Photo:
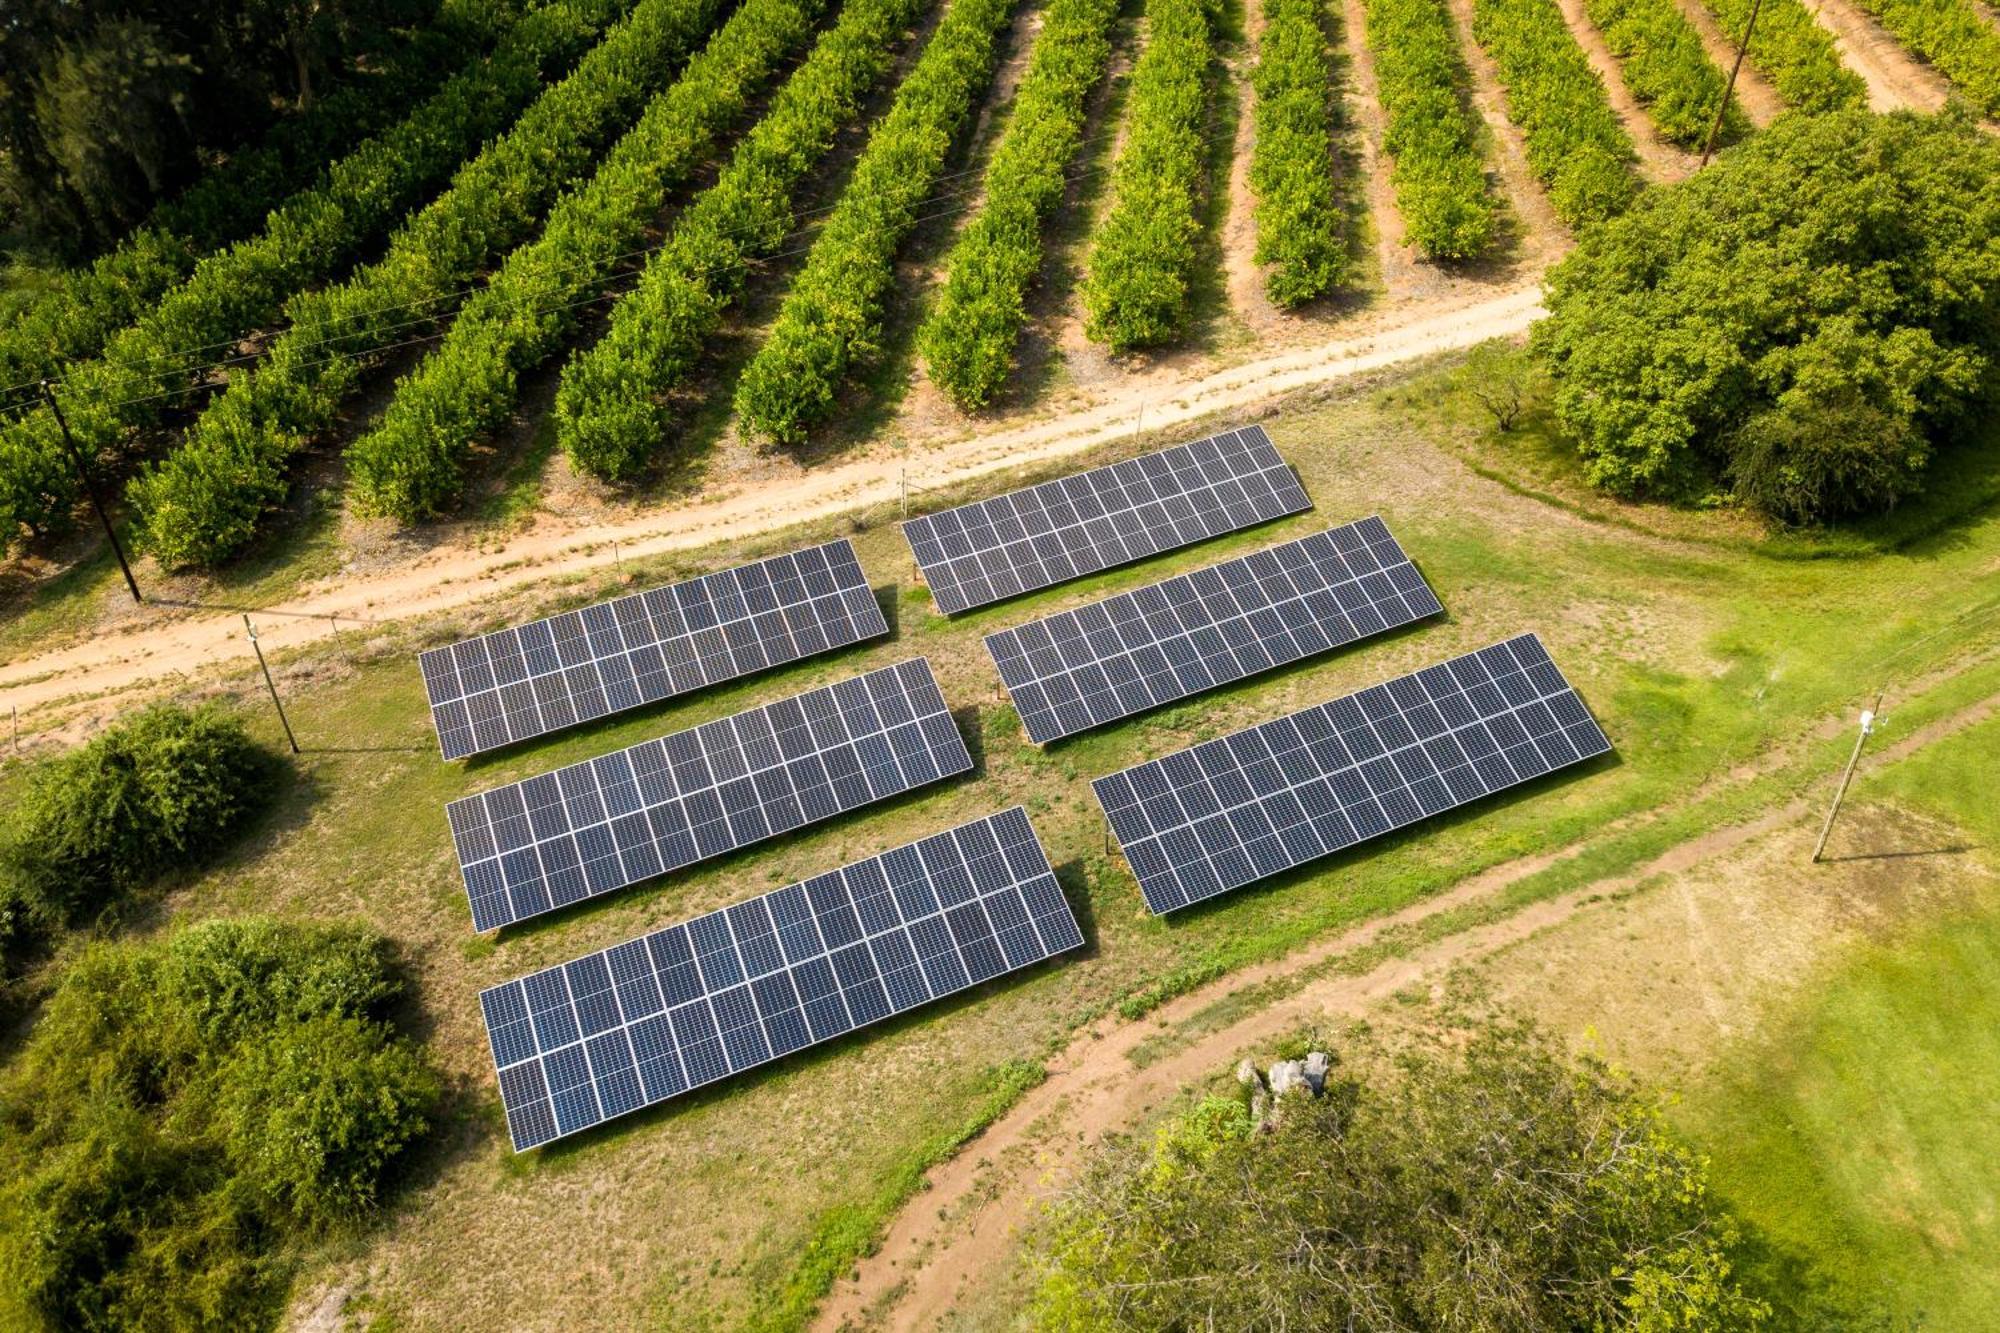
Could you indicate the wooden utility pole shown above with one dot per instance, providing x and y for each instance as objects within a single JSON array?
[
  {"x": 1729, "y": 89},
  {"x": 90, "y": 489},
  {"x": 270, "y": 684},
  {"x": 1847, "y": 775}
]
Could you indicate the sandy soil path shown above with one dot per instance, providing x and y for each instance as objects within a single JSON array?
[
  {"x": 447, "y": 578},
  {"x": 1659, "y": 160},
  {"x": 1895, "y": 78}
]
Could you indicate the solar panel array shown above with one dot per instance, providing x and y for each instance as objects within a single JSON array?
[
  {"x": 541, "y": 677},
  {"x": 652, "y": 1018},
  {"x": 1046, "y": 534},
  {"x": 599, "y": 825},
  {"x": 1120, "y": 656},
  {"x": 1202, "y": 821}
]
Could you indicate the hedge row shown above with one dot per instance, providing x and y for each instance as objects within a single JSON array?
[
  {"x": 1791, "y": 49},
  {"x": 194, "y": 326},
  {"x": 1433, "y": 138},
  {"x": 1136, "y": 291},
  {"x": 611, "y": 409},
  {"x": 968, "y": 341},
  {"x": 87, "y": 305},
  {"x": 203, "y": 502},
  {"x": 1954, "y": 36},
  {"x": 1576, "y": 145},
  {"x": 1291, "y": 166},
  {"x": 833, "y": 314},
  {"x": 1669, "y": 72}
]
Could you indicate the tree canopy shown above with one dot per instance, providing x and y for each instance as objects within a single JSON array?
[
  {"x": 1490, "y": 1187},
  {"x": 107, "y": 105},
  {"x": 186, "y": 1108},
  {"x": 1803, "y": 324}
]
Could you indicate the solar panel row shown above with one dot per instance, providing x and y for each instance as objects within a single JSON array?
[
  {"x": 593, "y": 827},
  {"x": 652, "y": 1018},
  {"x": 1043, "y": 535},
  {"x": 1083, "y": 668},
  {"x": 1202, "y": 821},
  {"x": 541, "y": 677}
]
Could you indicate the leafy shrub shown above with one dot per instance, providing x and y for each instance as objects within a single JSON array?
[
  {"x": 170, "y": 787},
  {"x": 164, "y": 1144},
  {"x": 1808, "y": 319},
  {"x": 1432, "y": 137},
  {"x": 968, "y": 341},
  {"x": 203, "y": 502},
  {"x": 1953, "y": 35},
  {"x": 412, "y": 462},
  {"x": 1136, "y": 291},
  {"x": 1790, "y": 48},
  {"x": 1491, "y": 1186},
  {"x": 833, "y": 314},
  {"x": 155, "y": 363},
  {"x": 1667, "y": 68},
  {"x": 87, "y": 305},
  {"x": 1291, "y": 165},
  {"x": 611, "y": 410},
  {"x": 1575, "y": 143}
]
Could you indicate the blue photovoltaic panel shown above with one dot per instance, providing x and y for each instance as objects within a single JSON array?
[
  {"x": 1203, "y": 821},
  {"x": 534, "y": 679},
  {"x": 1150, "y": 646},
  {"x": 1038, "y": 537},
  {"x": 652, "y": 1018},
  {"x": 592, "y": 827}
]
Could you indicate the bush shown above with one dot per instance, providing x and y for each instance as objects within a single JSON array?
[
  {"x": 833, "y": 314},
  {"x": 1954, "y": 36},
  {"x": 1135, "y": 293},
  {"x": 165, "y": 1144},
  {"x": 1575, "y": 143},
  {"x": 968, "y": 341},
  {"x": 202, "y": 503},
  {"x": 1790, "y": 48},
  {"x": 1493, "y": 1185},
  {"x": 167, "y": 789},
  {"x": 612, "y": 414},
  {"x": 412, "y": 462},
  {"x": 157, "y": 362},
  {"x": 1808, "y": 320},
  {"x": 1667, "y": 69},
  {"x": 1291, "y": 164},
  {"x": 1432, "y": 136}
]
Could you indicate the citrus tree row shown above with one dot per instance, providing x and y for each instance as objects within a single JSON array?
[
  {"x": 1437, "y": 164},
  {"x": 412, "y": 462},
  {"x": 202, "y": 502},
  {"x": 833, "y": 313},
  {"x": 612, "y": 408},
  {"x": 1790, "y": 48},
  {"x": 1576, "y": 146},
  {"x": 1663, "y": 63},
  {"x": 1139, "y": 272},
  {"x": 968, "y": 341},
  {"x": 1291, "y": 166},
  {"x": 84, "y": 306},
  {"x": 1953, "y": 35},
  {"x": 195, "y": 325}
]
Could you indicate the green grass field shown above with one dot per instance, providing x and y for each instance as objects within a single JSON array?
[
  {"x": 1701, "y": 659},
  {"x": 1856, "y": 1133}
]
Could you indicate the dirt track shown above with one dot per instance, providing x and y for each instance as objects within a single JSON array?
[{"x": 100, "y": 668}]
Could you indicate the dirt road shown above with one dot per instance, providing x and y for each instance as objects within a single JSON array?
[{"x": 109, "y": 664}]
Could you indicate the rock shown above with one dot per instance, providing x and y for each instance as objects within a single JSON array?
[
  {"x": 1317, "y": 1063},
  {"x": 1287, "y": 1075},
  {"x": 1247, "y": 1075}
]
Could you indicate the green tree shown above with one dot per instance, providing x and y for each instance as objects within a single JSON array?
[
  {"x": 1807, "y": 321},
  {"x": 1492, "y": 1185}
]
